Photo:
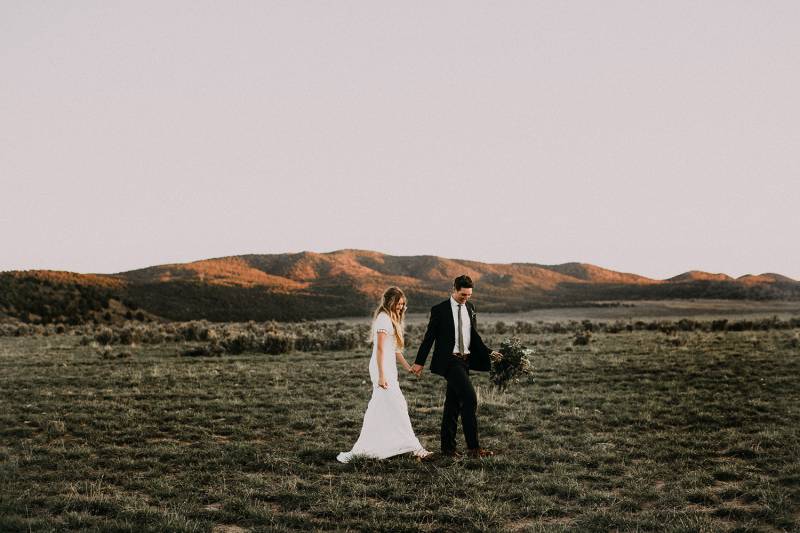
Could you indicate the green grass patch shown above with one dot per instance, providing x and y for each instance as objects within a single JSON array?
[{"x": 632, "y": 431}]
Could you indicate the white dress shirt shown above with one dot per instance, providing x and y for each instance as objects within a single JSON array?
[{"x": 465, "y": 324}]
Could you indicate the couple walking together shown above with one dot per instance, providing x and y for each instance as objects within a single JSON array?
[{"x": 457, "y": 349}]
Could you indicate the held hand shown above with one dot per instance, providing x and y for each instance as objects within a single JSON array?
[
  {"x": 382, "y": 383},
  {"x": 416, "y": 369},
  {"x": 495, "y": 356}
]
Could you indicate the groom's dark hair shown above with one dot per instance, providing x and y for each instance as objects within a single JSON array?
[{"x": 462, "y": 282}]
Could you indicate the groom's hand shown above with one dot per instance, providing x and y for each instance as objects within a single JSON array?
[{"x": 416, "y": 369}]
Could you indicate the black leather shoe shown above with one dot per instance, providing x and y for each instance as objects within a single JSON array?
[
  {"x": 452, "y": 453},
  {"x": 479, "y": 452}
]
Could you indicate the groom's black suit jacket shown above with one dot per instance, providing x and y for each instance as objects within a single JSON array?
[{"x": 442, "y": 331}]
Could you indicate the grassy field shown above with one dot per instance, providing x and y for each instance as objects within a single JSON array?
[{"x": 635, "y": 431}]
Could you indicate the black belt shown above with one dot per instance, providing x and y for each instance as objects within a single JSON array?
[{"x": 462, "y": 356}]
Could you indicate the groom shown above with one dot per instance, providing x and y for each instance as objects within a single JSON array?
[{"x": 458, "y": 349}]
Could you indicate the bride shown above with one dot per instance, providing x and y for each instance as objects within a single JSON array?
[{"x": 387, "y": 428}]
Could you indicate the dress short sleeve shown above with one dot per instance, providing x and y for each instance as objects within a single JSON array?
[{"x": 383, "y": 323}]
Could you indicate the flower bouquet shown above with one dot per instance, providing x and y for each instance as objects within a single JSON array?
[{"x": 513, "y": 361}]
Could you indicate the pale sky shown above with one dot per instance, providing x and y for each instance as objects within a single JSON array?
[{"x": 646, "y": 137}]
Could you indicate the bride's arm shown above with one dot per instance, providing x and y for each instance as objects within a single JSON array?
[
  {"x": 402, "y": 360},
  {"x": 382, "y": 340}
]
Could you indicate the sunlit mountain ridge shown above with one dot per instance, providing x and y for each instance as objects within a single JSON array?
[{"x": 309, "y": 285}]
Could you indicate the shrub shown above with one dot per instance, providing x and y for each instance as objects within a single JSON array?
[
  {"x": 126, "y": 335},
  {"x": 582, "y": 338},
  {"x": 344, "y": 340},
  {"x": 618, "y": 327},
  {"x": 239, "y": 343},
  {"x": 277, "y": 343},
  {"x": 522, "y": 327},
  {"x": 104, "y": 336},
  {"x": 719, "y": 325},
  {"x": 194, "y": 330}
]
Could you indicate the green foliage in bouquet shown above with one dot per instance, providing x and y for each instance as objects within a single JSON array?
[{"x": 513, "y": 362}]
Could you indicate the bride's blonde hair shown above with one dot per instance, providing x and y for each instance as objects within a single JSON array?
[{"x": 389, "y": 300}]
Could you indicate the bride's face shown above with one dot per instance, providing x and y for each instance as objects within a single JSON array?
[{"x": 400, "y": 306}]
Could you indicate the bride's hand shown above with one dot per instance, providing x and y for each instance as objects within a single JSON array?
[{"x": 382, "y": 383}]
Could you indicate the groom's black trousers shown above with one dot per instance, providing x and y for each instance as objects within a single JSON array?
[{"x": 459, "y": 400}]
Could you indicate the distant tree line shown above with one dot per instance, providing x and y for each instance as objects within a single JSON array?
[
  {"x": 183, "y": 301},
  {"x": 45, "y": 301},
  {"x": 708, "y": 289},
  {"x": 69, "y": 299}
]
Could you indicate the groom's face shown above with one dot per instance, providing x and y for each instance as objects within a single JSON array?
[{"x": 462, "y": 295}]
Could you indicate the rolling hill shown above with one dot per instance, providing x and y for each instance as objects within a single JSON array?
[{"x": 311, "y": 285}]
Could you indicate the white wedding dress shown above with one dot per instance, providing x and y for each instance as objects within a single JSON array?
[{"x": 387, "y": 428}]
